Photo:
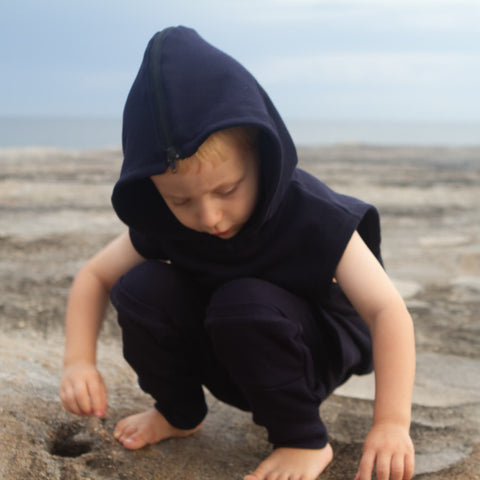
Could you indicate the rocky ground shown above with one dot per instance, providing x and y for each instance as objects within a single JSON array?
[{"x": 55, "y": 213}]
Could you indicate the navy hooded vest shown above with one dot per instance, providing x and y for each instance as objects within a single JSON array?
[{"x": 185, "y": 90}]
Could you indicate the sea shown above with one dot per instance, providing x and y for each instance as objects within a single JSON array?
[{"x": 93, "y": 133}]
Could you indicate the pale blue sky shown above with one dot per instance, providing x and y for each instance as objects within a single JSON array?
[{"x": 328, "y": 59}]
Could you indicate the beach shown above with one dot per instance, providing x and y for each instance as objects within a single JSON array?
[{"x": 56, "y": 212}]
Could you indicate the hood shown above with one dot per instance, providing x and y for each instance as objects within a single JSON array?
[{"x": 185, "y": 90}]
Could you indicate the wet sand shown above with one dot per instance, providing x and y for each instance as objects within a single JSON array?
[{"x": 55, "y": 213}]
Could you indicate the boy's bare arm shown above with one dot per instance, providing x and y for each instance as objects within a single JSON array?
[
  {"x": 388, "y": 446},
  {"x": 82, "y": 389}
]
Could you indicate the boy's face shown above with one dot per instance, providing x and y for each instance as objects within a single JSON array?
[{"x": 215, "y": 197}]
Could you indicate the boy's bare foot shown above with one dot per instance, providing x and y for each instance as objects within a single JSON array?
[
  {"x": 145, "y": 428},
  {"x": 294, "y": 464}
]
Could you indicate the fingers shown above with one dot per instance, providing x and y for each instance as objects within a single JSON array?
[
  {"x": 396, "y": 467},
  {"x": 383, "y": 467},
  {"x": 84, "y": 393},
  {"x": 388, "y": 449},
  {"x": 98, "y": 397},
  {"x": 409, "y": 467},
  {"x": 69, "y": 399},
  {"x": 365, "y": 468}
]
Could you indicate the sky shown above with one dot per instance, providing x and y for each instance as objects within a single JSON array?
[{"x": 318, "y": 59}]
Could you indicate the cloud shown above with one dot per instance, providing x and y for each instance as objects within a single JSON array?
[
  {"x": 348, "y": 50},
  {"x": 367, "y": 3},
  {"x": 428, "y": 14},
  {"x": 373, "y": 69},
  {"x": 406, "y": 85}
]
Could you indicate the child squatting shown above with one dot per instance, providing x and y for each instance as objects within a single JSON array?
[{"x": 238, "y": 272}]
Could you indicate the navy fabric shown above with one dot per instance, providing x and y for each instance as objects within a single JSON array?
[
  {"x": 300, "y": 227},
  {"x": 166, "y": 344},
  {"x": 271, "y": 345},
  {"x": 253, "y": 344},
  {"x": 185, "y": 90},
  {"x": 199, "y": 90}
]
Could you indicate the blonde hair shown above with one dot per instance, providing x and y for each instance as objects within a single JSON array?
[{"x": 212, "y": 150}]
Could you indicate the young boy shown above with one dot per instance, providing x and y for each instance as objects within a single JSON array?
[{"x": 239, "y": 272}]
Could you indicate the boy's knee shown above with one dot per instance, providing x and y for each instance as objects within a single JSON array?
[
  {"x": 149, "y": 282},
  {"x": 155, "y": 290},
  {"x": 261, "y": 346},
  {"x": 250, "y": 301},
  {"x": 246, "y": 310},
  {"x": 248, "y": 292}
]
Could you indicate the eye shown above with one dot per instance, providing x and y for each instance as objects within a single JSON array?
[
  {"x": 179, "y": 202},
  {"x": 228, "y": 191}
]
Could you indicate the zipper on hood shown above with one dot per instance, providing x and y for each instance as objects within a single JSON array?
[
  {"x": 158, "y": 92},
  {"x": 185, "y": 90}
]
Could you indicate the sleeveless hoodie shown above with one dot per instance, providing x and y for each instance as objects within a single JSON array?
[{"x": 185, "y": 90}]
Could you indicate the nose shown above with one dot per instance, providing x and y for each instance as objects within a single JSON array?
[{"x": 209, "y": 214}]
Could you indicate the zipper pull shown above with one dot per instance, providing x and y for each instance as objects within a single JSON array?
[{"x": 172, "y": 157}]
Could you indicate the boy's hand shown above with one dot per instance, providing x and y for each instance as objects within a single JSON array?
[
  {"x": 83, "y": 391},
  {"x": 389, "y": 448}
]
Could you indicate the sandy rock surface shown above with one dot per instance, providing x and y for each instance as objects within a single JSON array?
[{"x": 55, "y": 213}]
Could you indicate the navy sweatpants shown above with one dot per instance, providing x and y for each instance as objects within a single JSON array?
[{"x": 253, "y": 344}]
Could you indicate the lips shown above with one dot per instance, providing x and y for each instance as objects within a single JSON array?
[{"x": 222, "y": 234}]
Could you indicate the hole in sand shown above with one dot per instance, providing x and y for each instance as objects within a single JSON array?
[{"x": 69, "y": 441}]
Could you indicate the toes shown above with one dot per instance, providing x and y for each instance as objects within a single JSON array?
[
  {"x": 119, "y": 430},
  {"x": 130, "y": 437},
  {"x": 256, "y": 475},
  {"x": 133, "y": 442},
  {"x": 124, "y": 430}
]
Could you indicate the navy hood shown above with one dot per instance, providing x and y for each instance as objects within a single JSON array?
[{"x": 185, "y": 90}]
